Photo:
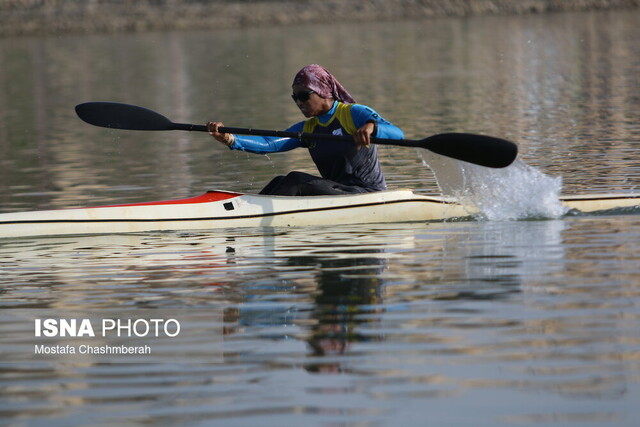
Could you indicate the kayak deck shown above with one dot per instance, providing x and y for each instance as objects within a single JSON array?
[
  {"x": 600, "y": 202},
  {"x": 222, "y": 209}
]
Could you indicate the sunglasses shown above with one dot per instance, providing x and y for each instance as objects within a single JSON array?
[{"x": 302, "y": 96}]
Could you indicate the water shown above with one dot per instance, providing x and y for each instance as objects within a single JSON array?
[
  {"x": 495, "y": 321},
  {"x": 498, "y": 194}
]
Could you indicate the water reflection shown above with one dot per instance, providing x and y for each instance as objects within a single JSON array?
[
  {"x": 406, "y": 313},
  {"x": 349, "y": 295}
]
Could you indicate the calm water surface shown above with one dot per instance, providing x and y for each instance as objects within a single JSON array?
[{"x": 488, "y": 322}]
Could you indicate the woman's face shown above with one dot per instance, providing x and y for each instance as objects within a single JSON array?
[{"x": 314, "y": 106}]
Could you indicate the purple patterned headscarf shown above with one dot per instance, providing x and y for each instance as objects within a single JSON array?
[{"x": 318, "y": 79}]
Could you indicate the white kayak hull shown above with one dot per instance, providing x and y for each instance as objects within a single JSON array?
[{"x": 220, "y": 209}]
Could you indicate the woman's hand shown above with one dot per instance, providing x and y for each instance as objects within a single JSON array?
[
  {"x": 226, "y": 138},
  {"x": 362, "y": 137}
]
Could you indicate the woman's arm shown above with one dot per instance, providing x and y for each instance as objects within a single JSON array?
[
  {"x": 362, "y": 114},
  {"x": 264, "y": 144}
]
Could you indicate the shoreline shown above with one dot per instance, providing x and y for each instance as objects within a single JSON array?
[{"x": 58, "y": 17}]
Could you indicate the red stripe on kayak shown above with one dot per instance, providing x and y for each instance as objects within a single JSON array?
[{"x": 209, "y": 196}]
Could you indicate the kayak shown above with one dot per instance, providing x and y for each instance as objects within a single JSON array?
[{"x": 224, "y": 209}]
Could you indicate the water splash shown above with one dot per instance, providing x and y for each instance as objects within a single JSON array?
[{"x": 516, "y": 192}]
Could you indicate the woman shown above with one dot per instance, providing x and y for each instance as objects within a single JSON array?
[{"x": 330, "y": 109}]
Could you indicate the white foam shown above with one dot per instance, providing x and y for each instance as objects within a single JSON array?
[{"x": 518, "y": 191}]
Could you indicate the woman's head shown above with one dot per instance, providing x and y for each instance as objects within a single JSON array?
[
  {"x": 309, "y": 102},
  {"x": 317, "y": 79}
]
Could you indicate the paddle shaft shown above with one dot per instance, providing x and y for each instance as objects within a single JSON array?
[{"x": 287, "y": 134}]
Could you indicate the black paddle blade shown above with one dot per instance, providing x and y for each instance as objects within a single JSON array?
[
  {"x": 122, "y": 116},
  {"x": 478, "y": 149}
]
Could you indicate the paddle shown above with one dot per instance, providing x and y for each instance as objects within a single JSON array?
[{"x": 478, "y": 149}]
